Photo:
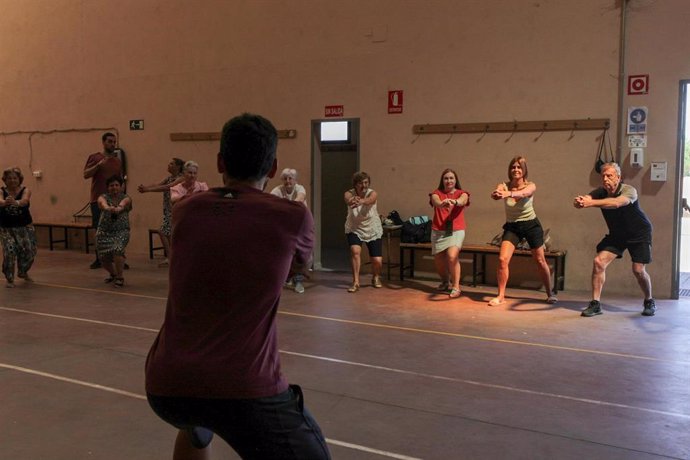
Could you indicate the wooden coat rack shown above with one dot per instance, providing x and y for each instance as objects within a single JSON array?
[
  {"x": 589, "y": 124},
  {"x": 282, "y": 134}
]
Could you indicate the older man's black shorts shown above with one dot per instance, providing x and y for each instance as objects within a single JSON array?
[{"x": 640, "y": 253}]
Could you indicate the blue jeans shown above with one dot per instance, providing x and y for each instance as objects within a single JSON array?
[{"x": 275, "y": 427}]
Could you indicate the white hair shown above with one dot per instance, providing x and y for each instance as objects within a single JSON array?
[
  {"x": 611, "y": 165},
  {"x": 191, "y": 164},
  {"x": 289, "y": 172}
]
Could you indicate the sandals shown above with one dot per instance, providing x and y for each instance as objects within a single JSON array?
[
  {"x": 454, "y": 293},
  {"x": 353, "y": 288},
  {"x": 119, "y": 282},
  {"x": 496, "y": 301},
  {"x": 376, "y": 281}
]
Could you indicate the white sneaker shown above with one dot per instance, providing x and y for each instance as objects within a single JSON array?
[{"x": 299, "y": 288}]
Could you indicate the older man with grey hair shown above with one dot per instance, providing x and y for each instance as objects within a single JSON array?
[{"x": 629, "y": 228}]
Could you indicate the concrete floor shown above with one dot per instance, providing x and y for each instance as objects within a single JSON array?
[{"x": 398, "y": 372}]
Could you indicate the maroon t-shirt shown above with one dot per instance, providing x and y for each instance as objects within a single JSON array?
[
  {"x": 112, "y": 167},
  {"x": 231, "y": 252}
]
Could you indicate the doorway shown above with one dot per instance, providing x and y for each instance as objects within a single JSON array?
[
  {"x": 335, "y": 158},
  {"x": 683, "y": 226}
]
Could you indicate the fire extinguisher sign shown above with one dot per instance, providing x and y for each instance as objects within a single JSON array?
[{"x": 395, "y": 101}]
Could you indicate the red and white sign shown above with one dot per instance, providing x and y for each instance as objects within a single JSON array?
[
  {"x": 638, "y": 84},
  {"x": 334, "y": 111},
  {"x": 395, "y": 101}
]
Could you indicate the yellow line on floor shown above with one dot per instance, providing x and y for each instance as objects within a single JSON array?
[
  {"x": 129, "y": 394},
  {"x": 406, "y": 329},
  {"x": 477, "y": 337},
  {"x": 102, "y": 291}
]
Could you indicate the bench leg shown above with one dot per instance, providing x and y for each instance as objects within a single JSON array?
[
  {"x": 86, "y": 240},
  {"x": 50, "y": 237},
  {"x": 150, "y": 244}
]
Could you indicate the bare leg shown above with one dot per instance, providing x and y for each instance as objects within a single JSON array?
[
  {"x": 376, "y": 265},
  {"x": 453, "y": 262},
  {"x": 109, "y": 267},
  {"x": 601, "y": 261},
  {"x": 184, "y": 450},
  {"x": 165, "y": 241},
  {"x": 441, "y": 266},
  {"x": 643, "y": 279},
  {"x": 119, "y": 265},
  {"x": 503, "y": 268},
  {"x": 543, "y": 269},
  {"x": 355, "y": 261}
]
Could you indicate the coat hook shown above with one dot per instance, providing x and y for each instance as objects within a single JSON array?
[
  {"x": 449, "y": 138},
  {"x": 513, "y": 133},
  {"x": 541, "y": 133},
  {"x": 415, "y": 139},
  {"x": 486, "y": 130}
]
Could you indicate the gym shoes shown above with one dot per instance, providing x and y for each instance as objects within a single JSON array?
[
  {"x": 649, "y": 308},
  {"x": 95, "y": 264},
  {"x": 299, "y": 287},
  {"x": 593, "y": 309}
]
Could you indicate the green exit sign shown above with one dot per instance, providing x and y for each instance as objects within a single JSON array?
[{"x": 136, "y": 125}]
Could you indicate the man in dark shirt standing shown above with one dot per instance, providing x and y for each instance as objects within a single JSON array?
[
  {"x": 629, "y": 228},
  {"x": 99, "y": 167},
  {"x": 215, "y": 365}
]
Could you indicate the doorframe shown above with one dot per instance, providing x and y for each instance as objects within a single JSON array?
[
  {"x": 675, "y": 252},
  {"x": 315, "y": 129}
]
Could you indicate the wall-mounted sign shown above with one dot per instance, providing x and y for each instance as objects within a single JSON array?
[
  {"x": 334, "y": 111},
  {"x": 395, "y": 101},
  {"x": 637, "y": 140},
  {"x": 638, "y": 84},
  {"x": 136, "y": 125},
  {"x": 637, "y": 120}
]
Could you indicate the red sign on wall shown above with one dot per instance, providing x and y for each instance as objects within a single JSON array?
[
  {"x": 638, "y": 84},
  {"x": 395, "y": 101},
  {"x": 334, "y": 111}
]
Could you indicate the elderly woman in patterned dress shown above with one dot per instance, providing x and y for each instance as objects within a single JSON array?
[
  {"x": 112, "y": 235},
  {"x": 175, "y": 168},
  {"x": 16, "y": 232}
]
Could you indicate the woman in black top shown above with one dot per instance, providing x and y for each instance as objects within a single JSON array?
[{"x": 16, "y": 232}]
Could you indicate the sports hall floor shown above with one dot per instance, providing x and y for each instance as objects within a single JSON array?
[{"x": 398, "y": 372}]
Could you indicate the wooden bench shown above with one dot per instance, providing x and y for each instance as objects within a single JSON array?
[
  {"x": 152, "y": 248},
  {"x": 479, "y": 253},
  {"x": 85, "y": 227}
]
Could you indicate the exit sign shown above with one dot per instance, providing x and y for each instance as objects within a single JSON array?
[{"x": 136, "y": 125}]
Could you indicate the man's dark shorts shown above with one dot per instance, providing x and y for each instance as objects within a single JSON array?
[
  {"x": 277, "y": 426},
  {"x": 640, "y": 253},
  {"x": 375, "y": 247},
  {"x": 531, "y": 230}
]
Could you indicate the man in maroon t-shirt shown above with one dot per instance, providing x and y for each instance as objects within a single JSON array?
[
  {"x": 215, "y": 365},
  {"x": 99, "y": 167}
]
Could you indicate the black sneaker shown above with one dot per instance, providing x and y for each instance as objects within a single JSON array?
[
  {"x": 649, "y": 308},
  {"x": 96, "y": 264},
  {"x": 593, "y": 309}
]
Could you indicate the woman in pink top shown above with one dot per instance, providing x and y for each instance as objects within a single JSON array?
[
  {"x": 448, "y": 230},
  {"x": 190, "y": 185}
]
